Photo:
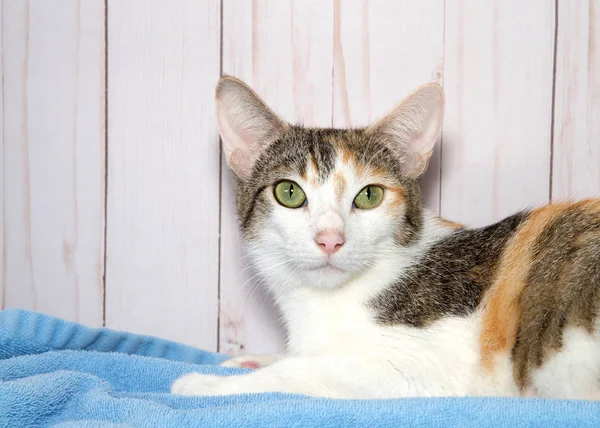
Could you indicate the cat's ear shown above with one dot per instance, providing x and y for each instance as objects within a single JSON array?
[
  {"x": 246, "y": 124},
  {"x": 412, "y": 127}
]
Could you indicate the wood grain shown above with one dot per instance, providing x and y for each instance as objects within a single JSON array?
[
  {"x": 53, "y": 157},
  {"x": 498, "y": 80},
  {"x": 576, "y": 156},
  {"x": 283, "y": 50},
  {"x": 382, "y": 51},
  {"x": 163, "y": 175}
]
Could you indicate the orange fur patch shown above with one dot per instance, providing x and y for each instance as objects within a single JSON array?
[
  {"x": 348, "y": 158},
  {"x": 501, "y": 315},
  {"x": 339, "y": 184},
  {"x": 399, "y": 196},
  {"x": 311, "y": 174},
  {"x": 451, "y": 224},
  {"x": 345, "y": 155},
  {"x": 588, "y": 205}
]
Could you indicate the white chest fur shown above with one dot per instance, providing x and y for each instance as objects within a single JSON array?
[
  {"x": 444, "y": 354},
  {"x": 441, "y": 359},
  {"x": 340, "y": 323}
]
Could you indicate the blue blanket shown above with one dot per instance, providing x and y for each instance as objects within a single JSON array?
[{"x": 53, "y": 372}]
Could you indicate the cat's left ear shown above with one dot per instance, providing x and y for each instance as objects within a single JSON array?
[
  {"x": 412, "y": 127},
  {"x": 246, "y": 124}
]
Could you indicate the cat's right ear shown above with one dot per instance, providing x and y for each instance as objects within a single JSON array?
[
  {"x": 412, "y": 127},
  {"x": 246, "y": 124}
]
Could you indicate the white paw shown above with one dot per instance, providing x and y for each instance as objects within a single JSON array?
[
  {"x": 251, "y": 361},
  {"x": 196, "y": 384}
]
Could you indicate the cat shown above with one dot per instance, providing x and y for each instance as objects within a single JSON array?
[{"x": 383, "y": 299}]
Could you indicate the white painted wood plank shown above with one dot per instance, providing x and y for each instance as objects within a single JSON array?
[
  {"x": 53, "y": 160},
  {"x": 576, "y": 159},
  {"x": 498, "y": 81},
  {"x": 163, "y": 169},
  {"x": 383, "y": 50},
  {"x": 283, "y": 50}
]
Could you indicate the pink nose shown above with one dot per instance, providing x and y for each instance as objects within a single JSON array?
[{"x": 329, "y": 241}]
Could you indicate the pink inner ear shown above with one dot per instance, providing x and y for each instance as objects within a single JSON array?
[
  {"x": 240, "y": 163},
  {"x": 250, "y": 365}
]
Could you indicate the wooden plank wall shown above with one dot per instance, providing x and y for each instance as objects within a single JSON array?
[
  {"x": 162, "y": 206},
  {"x": 576, "y": 148},
  {"x": 498, "y": 64},
  {"x": 117, "y": 208},
  {"x": 53, "y": 94}
]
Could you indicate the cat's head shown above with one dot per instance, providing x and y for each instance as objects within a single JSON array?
[{"x": 320, "y": 206}]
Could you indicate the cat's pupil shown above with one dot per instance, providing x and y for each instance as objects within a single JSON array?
[
  {"x": 368, "y": 192},
  {"x": 291, "y": 191}
]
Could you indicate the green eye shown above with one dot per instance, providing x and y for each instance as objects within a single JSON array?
[
  {"x": 369, "y": 197},
  {"x": 289, "y": 194}
]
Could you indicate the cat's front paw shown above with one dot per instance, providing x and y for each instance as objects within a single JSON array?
[
  {"x": 251, "y": 361},
  {"x": 196, "y": 384}
]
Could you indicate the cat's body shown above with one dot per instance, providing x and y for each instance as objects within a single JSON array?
[{"x": 385, "y": 300}]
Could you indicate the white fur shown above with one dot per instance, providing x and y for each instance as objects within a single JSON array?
[{"x": 574, "y": 372}]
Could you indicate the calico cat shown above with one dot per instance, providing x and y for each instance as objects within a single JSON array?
[{"x": 380, "y": 297}]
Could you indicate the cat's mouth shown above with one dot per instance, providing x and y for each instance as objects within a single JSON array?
[{"x": 328, "y": 268}]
